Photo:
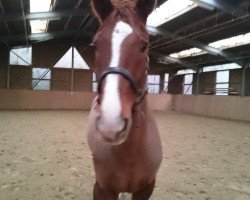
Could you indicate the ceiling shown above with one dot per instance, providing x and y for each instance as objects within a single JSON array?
[{"x": 73, "y": 19}]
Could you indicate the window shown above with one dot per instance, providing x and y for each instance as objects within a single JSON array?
[
  {"x": 41, "y": 78},
  {"x": 188, "y": 81},
  {"x": 222, "y": 83},
  {"x": 166, "y": 80},
  {"x": 21, "y": 56},
  {"x": 66, "y": 60},
  {"x": 94, "y": 83},
  {"x": 153, "y": 83}
]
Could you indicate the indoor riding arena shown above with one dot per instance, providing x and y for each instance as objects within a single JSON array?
[{"x": 198, "y": 89}]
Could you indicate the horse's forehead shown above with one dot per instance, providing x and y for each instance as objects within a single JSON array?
[
  {"x": 117, "y": 28},
  {"x": 122, "y": 28}
]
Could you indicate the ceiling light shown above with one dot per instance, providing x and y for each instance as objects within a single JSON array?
[
  {"x": 206, "y": 6},
  {"x": 169, "y": 10},
  {"x": 39, "y": 6},
  {"x": 239, "y": 40},
  {"x": 187, "y": 53},
  {"x": 38, "y": 26}
]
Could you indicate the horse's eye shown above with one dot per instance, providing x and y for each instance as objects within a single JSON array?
[{"x": 144, "y": 48}]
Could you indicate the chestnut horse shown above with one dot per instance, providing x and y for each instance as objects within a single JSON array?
[{"x": 122, "y": 133}]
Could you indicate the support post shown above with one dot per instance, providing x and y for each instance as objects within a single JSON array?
[
  {"x": 8, "y": 78},
  {"x": 197, "y": 81},
  {"x": 162, "y": 81},
  {"x": 243, "y": 81},
  {"x": 72, "y": 71},
  {"x": 171, "y": 82},
  {"x": 8, "y": 68}
]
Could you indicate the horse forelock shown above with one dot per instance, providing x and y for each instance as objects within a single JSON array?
[
  {"x": 116, "y": 4},
  {"x": 124, "y": 3}
]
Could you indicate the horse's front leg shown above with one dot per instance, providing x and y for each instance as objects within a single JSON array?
[
  {"x": 145, "y": 193},
  {"x": 100, "y": 194}
]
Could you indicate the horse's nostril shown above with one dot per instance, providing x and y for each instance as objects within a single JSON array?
[
  {"x": 125, "y": 122},
  {"x": 98, "y": 100},
  {"x": 97, "y": 122},
  {"x": 124, "y": 127}
]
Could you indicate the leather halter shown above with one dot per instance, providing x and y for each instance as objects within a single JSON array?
[{"x": 140, "y": 92}]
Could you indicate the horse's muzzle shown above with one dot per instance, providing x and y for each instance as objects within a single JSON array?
[{"x": 111, "y": 131}]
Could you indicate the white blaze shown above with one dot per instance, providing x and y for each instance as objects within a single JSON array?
[{"x": 111, "y": 105}]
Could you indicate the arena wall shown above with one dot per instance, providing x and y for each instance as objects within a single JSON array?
[
  {"x": 49, "y": 100},
  {"x": 28, "y": 99},
  {"x": 230, "y": 107}
]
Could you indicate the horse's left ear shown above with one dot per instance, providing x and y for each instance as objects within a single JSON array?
[
  {"x": 101, "y": 8},
  {"x": 145, "y": 7}
]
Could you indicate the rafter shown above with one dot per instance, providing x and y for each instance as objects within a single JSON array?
[
  {"x": 77, "y": 5},
  {"x": 223, "y": 5},
  {"x": 194, "y": 43},
  {"x": 3, "y": 11},
  {"x": 79, "y": 2},
  {"x": 44, "y": 15},
  {"x": 174, "y": 60},
  {"x": 43, "y": 36},
  {"x": 24, "y": 23}
]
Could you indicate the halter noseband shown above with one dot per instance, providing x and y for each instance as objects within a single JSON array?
[{"x": 140, "y": 92}]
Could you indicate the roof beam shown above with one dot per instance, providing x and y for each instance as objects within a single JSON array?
[
  {"x": 24, "y": 23},
  {"x": 70, "y": 17},
  {"x": 44, "y": 15},
  {"x": 79, "y": 2},
  {"x": 222, "y": 5},
  {"x": 3, "y": 11},
  {"x": 43, "y": 36},
  {"x": 174, "y": 60},
  {"x": 67, "y": 23},
  {"x": 193, "y": 43},
  {"x": 53, "y": 4}
]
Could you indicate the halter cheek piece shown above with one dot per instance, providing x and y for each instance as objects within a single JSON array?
[{"x": 140, "y": 92}]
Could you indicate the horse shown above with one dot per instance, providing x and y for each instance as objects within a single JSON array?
[{"x": 122, "y": 133}]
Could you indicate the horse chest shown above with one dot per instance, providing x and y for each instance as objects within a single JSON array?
[
  {"x": 127, "y": 171},
  {"x": 130, "y": 166}
]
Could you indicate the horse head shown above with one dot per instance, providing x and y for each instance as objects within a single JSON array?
[{"x": 121, "y": 64}]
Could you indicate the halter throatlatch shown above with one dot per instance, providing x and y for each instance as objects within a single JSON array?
[{"x": 140, "y": 92}]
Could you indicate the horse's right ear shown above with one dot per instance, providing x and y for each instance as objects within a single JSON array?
[
  {"x": 101, "y": 8},
  {"x": 145, "y": 7}
]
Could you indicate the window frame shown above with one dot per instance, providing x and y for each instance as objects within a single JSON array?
[
  {"x": 154, "y": 86},
  {"x": 36, "y": 81},
  {"x": 19, "y": 59},
  {"x": 189, "y": 90},
  {"x": 226, "y": 92}
]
